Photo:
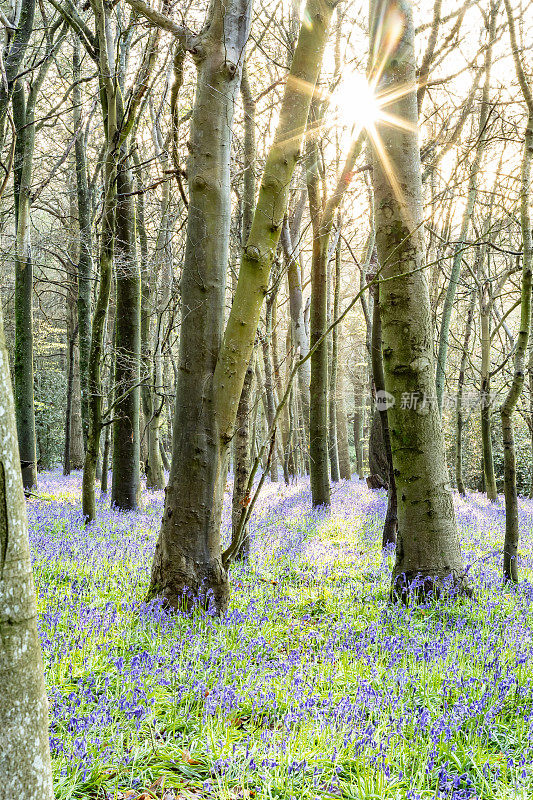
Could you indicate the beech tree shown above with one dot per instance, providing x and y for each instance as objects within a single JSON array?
[
  {"x": 428, "y": 550},
  {"x": 510, "y": 553},
  {"x": 24, "y": 746},
  {"x": 188, "y": 561}
]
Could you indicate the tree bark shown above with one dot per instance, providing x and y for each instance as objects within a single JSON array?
[
  {"x": 24, "y": 745},
  {"x": 428, "y": 550},
  {"x": 211, "y": 372},
  {"x": 242, "y": 461},
  {"x": 318, "y": 412},
  {"x": 270, "y": 394},
  {"x": 333, "y": 356},
  {"x": 187, "y": 563},
  {"x": 345, "y": 467},
  {"x": 125, "y": 484},
  {"x": 23, "y": 365},
  {"x": 85, "y": 257},
  {"x": 14, "y": 52},
  {"x": 460, "y": 386},
  {"x": 296, "y": 306},
  {"x": 486, "y": 437},
  {"x": 390, "y": 525},
  {"x": 94, "y": 375},
  {"x": 467, "y": 216},
  {"x": 510, "y": 550}
]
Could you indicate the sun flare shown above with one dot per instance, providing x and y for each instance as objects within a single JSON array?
[{"x": 355, "y": 101}]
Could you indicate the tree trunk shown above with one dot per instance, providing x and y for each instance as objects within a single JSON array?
[
  {"x": 460, "y": 385},
  {"x": 510, "y": 551},
  {"x": 125, "y": 484},
  {"x": 468, "y": 213},
  {"x": 428, "y": 550},
  {"x": 242, "y": 462},
  {"x": 209, "y": 387},
  {"x": 85, "y": 258},
  {"x": 105, "y": 460},
  {"x": 333, "y": 356},
  {"x": 390, "y": 526},
  {"x": 68, "y": 412},
  {"x": 359, "y": 421},
  {"x": 74, "y": 450},
  {"x": 486, "y": 437},
  {"x": 187, "y": 563},
  {"x": 23, "y": 364},
  {"x": 77, "y": 450},
  {"x": 270, "y": 395},
  {"x": 24, "y": 747},
  {"x": 296, "y": 305},
  {"x": 22, "y": 16},
  {"x": 94, "y": 375},
  {"x": 345, "y": 467}
]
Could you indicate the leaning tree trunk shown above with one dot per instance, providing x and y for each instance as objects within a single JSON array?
[
  {"x": 125, "y": 483},
  {"x": 428, "y": 549},
  {"x": 242, "y": 452},
  {"x": 510, "y": 550},
  {"x": 24, "y": 747},
  {"x": 188, "y": 560}
]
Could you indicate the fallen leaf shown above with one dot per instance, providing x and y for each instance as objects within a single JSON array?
[{"x": 188, "y": 758}]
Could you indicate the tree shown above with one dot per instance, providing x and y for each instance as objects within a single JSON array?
[
  {"x": 188, "y": 560},
  {"x": 24, "y": 104},
  {"x": 471, "y": 199},
  {"x": 24, "y": 746},
  {"x": 428, "y": 550},
  {"x": 510, "y": 551}
]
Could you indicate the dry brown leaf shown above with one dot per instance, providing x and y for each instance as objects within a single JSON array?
[{"x": 188, "y": 758}]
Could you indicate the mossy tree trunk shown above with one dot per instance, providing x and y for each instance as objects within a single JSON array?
[
  {"x": 188, "y": 562},
  {"x": 85, "y": 255},
  {"x": 24, "y": 104},
  {"x": 23, "y": 364},
  {"x": 188, "y": 557},
  {"x": 428, "y": 550},
  {"x": 119, "y": 118},
  {"x": 24, "y": 745},
  {"x": 125, "y": 483}
]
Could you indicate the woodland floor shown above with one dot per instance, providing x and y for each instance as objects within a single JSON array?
[{"x": 313, "y": 686}]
